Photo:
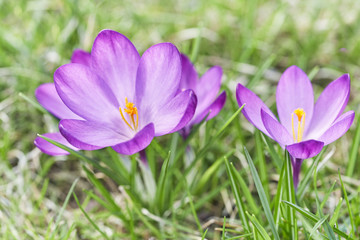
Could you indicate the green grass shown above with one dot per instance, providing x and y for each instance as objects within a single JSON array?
[{"x": 179, "y": 196}]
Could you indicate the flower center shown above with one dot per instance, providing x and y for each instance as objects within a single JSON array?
[
  {"x": 300, "y": 113},
  {"x": 131, "y": 111}
]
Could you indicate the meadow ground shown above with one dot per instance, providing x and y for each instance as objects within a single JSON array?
[{"x": 44, "y": 197}]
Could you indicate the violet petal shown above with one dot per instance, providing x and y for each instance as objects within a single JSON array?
[
  {"x": 212, "y": 110},
  {"x": 82, "y": 57},
  {"x": 158, "y": 77},
  {"x": 139, "y": 142},
  {"x": 329, "y": 106},
  {"x": 305, "y": 149},
  {"x": 86, "y": 94},
  {"x": 208, "y": 87},
  {"x": 90, "y": 135},
  {"x": 116, "y": 60},
  {"x": 176, "y": 114},
  {"x": 48, "y": 97},
  {"x": 252, "y": 108},
  {"x": 294, "y": 91},
  {"x": 51, "y": 149},
  {"x": 277, "y": 131},
  {"x": 338, "y": 128},
  {"x": 189, "y": 76}
]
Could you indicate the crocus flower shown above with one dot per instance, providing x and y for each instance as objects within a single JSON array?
[
  {"x": 48, "y": 98},
  {"x": 304, "y": 128},
  {"x": 124, "y": 100},
  {"x": 206, "y": 89}
]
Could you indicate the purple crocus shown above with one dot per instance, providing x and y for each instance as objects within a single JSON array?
[
  {"x": 48, "y": 98},
  {"x": 123, "y": 100},
  {"x": 206, "y": 89},
  {"x": 304, "y": 128}
]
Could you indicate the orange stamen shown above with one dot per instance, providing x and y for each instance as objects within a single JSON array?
[
  {"x": 131, "y": 111},
  {"x": 300, "y": 113}
]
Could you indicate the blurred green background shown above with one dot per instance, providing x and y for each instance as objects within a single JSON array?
[{"x": 254, "y": 41}]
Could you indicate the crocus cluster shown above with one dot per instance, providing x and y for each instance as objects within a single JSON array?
[
  {"x": 114, "y": 97},
  {"x": 304, "y": 128}
]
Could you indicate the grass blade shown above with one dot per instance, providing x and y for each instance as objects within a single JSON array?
[
  {"x": 195, "y": 50},
  {"x": 186, "y": 143},
  {"x": 210, "y": 195},
  {"x": 219, "y": 132},
  {"x": 117, "y": 163},
  {"x": 261, "y": 161},
  {"x": 278, "y": 197},
  {"x": 109, "y": 203},
  {"x": 193, "y": 208},
  {"x": 211, "y": 141},
  {"x": 305, "y": 213},
  {"x": 209, "y": 173},
  {"x": 274, "y": 155},
  {"x": 245, "y": 189},
  {"x": 240, "y": 236},
  {"x": 239, "y": 203},
  {"x": 353, "y": 227},
  {"x": 149, "y": 181},
  {"x": 258, "y": 226},
  {"x": 255, "y": 233},
  {"x": 307, "y": 178},
  {"x": 160, "y": 198},
  {"x": 290, "y": 194},
  {"x": 314, "y": 218},
  {"x": 335, "y": 215},
  {"x": 262, "y": 195},
  {"x": 33, "y": 103},
  {"x": 317, "y": 225},
  {"x": 308, "y": 227},
  {"x": 329, "y": 231},
  {"x": 223, "y": 230},
  {"x": 96, "y": 164},
  {"x": 261, "y": 71},
  {"x": 327, "y": 195},
  {"x": 58, "y": 218},
  {"x": 354, "y": 149},
  {"x": 313, "y": 72},
  {"x": 204, "y": 234},
  {"x": 88, "y": 217},
  {"x": 137, "y": 210}
]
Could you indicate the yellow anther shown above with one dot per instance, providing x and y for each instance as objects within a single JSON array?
[
  {"x": 300, "y": 113},
  {"x": 131, "y": 111}
]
